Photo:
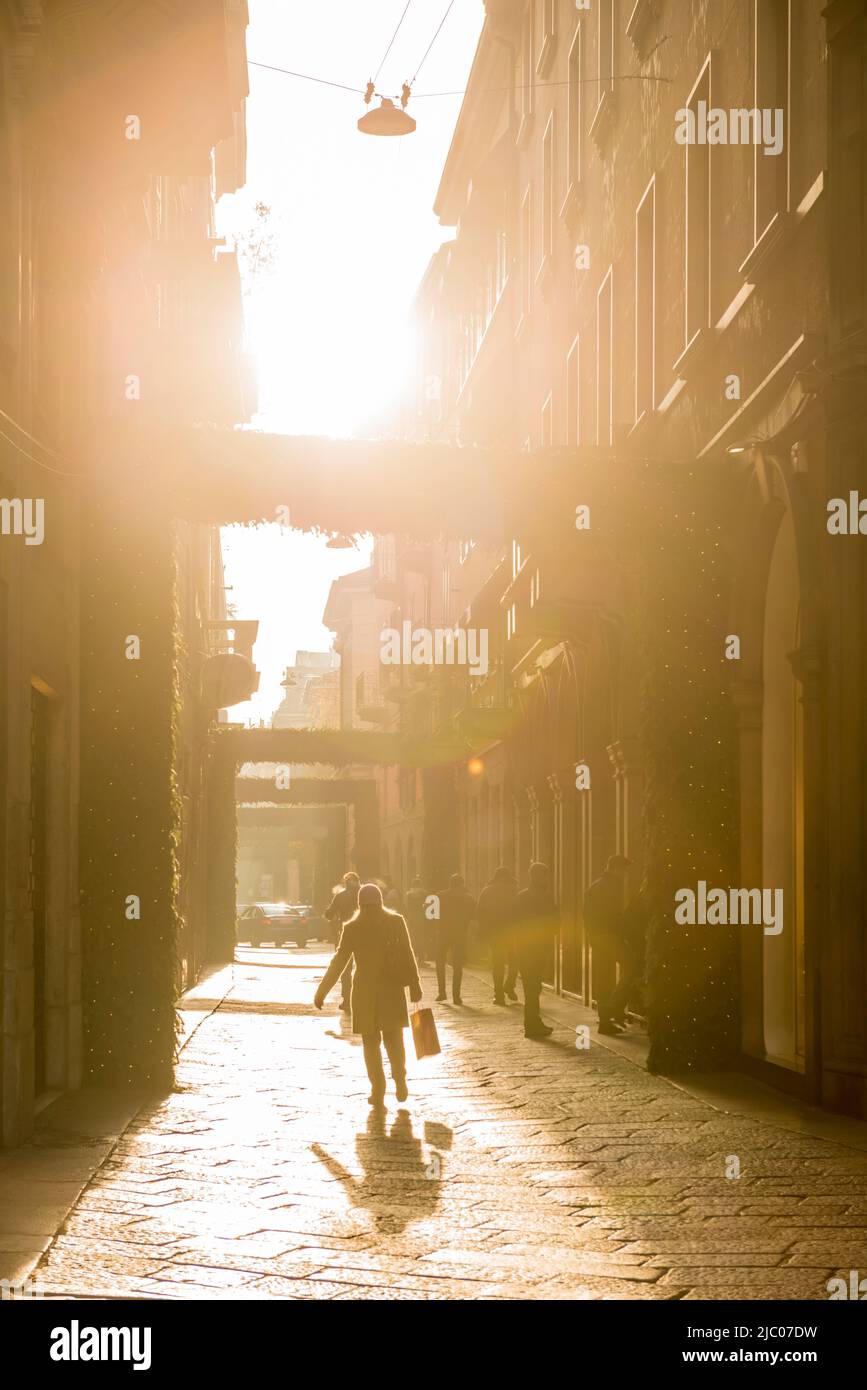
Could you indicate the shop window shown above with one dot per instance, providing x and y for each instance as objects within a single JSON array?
[
  {"x": 771, "y": 94},
  {"x": 698, "y": 222},
  {"x": 526, "y": 240},
  {"x": 548, "y": 173},
  {"x": 573, "y": 134},
  {"x": 528, "y": 69},
  {"x": 547, "y": 424}
]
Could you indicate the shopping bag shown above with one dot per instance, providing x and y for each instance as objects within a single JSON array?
[{"x": 424, "y": 1033}]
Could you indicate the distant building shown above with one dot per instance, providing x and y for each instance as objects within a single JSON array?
[
  {"x": 312, "y": 698},
  {"x": 355, "y": 613}
]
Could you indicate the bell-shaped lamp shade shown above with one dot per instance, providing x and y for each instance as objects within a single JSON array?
[{"x": 387, "y": 119}]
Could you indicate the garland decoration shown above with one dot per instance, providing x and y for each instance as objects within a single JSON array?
[
  {"x": 130, "y": 807},
  {"x": 689, "y": 739}
]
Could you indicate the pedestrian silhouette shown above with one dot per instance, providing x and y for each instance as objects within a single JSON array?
[
  {"x": 344, "y": 905},
  {"x": 457, "y": 911},
  {"x": 604, "y": 908},
  {"x": 378, "y": 941},
  {"x": 497, "y": 926},
  {"x": 416, "y": 920},
  {"x": 536, "y": 924}
]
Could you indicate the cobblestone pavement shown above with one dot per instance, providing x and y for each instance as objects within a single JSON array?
[{"x": 516, "y": 1170}]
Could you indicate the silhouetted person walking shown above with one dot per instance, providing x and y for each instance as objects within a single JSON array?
[
  {"x": 417, "y": 921},
  {"x": 636, "y": 920},
  {"x": 457, "y": 911},
  {"x": 378, "y": 941},
  {"x": 536, "y": 924},
  {"x": 496, "y": 923},
  {"x": 344, "y": 905},
  {"x": 391, "y": 894},
  {"x": 604, "y": 904}
]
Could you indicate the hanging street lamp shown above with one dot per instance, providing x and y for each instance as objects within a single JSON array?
[{"x": 387, "y": 119}]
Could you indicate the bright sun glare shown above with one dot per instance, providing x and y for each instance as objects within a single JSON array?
[{"x": 328, "y": 318}]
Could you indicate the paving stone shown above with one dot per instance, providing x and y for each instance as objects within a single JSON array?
[
  {"x": 516, "y": 1171},
  {"x": 787, "y": 1283}
]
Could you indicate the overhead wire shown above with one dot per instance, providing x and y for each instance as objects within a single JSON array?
[
  {"x": 391, "y": 41},
  {"x": 433, "y": 41},
  {"x": 462, "y": 91},
  {"x": 306, "y": 77}
]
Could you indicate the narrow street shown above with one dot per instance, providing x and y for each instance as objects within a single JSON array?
[{"x": 517, "y": 1170}]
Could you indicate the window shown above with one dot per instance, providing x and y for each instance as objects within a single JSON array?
[
  {"x": 846, "y": 145},
  {"x": 573, "y": 134},
  {"x": 517, "y": 559},
  {"x": 604, "y": 368},
  {"x": 502, "y": 253},
  {"x": 602, "y": 123},
  {"x": 605, "y": 48},
  {"x": 645, "y": 303},
  {"x": 771, "y": 94},
  {"x": 528, "y": 67},
  {"x": 548, "y": 193},
  {"x": 547, "y": 427},
  {"x": 573, "y": 396},
  {"x": 386, "y": 556},
  {"x": 549, "y": 36},
  {"x": 698, "y": 219},
  {"x": 534, "y": 589},
  {"x": 526, "y": 229},
  {"x": 511, "y": 622},
  {"x": 407, "y": 789}
]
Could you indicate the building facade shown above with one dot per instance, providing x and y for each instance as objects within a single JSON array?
[
  {"x": 119, "y": 127},
  {"x": 656, "y": 283},
  {"x": 312, "y": 698}
]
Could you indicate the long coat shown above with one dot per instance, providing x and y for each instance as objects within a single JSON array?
[
  {"x": 496, "y": 909},
  {"x": 536, "y": 923},
  {"x": 340, "y": 909},
  {"x": 377, "y": 1001}
]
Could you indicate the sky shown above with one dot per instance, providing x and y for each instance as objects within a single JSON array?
[{"x": 353, "y": 230}]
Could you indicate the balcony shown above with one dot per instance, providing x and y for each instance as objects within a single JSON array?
[
  {"x": 228, "y": 674},
  {"x": 405, "y": 683}
]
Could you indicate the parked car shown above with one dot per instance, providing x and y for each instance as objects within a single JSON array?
[{"x": 284, "y": 924}]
